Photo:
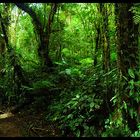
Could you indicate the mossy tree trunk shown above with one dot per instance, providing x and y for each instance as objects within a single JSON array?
[
  {"x": 105, "y": 38},
  {"x": 105, "y": 45},
  {"x": 127, "y": 36},
  {"x": 127, "y": 50}
]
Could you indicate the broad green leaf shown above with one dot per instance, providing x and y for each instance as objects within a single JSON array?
[
  {"x": 77, "y": 96},
  {"x": 68, "y": 71},
  {"x": 78, "y": 133},
  {"x": 125, "y": 105},
  {"x": 70, "y": 116},
  {"x": 97, "y": 106},
  {"x": 92, "y": 105},
  {"x": 131, "y": 82},
  {"x": 131, "y": 73}
]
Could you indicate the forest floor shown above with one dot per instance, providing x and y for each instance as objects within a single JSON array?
[{"x": 26, "y": 123}]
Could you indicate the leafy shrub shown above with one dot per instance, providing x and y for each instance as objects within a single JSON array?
[
  {"x": 42, "y": 84},
  {"x": 86, "y": 62},
  {"x": 73, "y": 115},
  {"x": 136, "y": 133},
  {"x": 76, "y": 108},
  {"x": 116, "y": 128},
  {"x": 72, "y": 72}
]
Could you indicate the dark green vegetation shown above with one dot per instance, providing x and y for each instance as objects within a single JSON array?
[{"x": 79, "y": 63}]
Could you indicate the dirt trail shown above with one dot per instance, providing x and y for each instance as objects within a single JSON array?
[
  {"x": 26, "y": 125},
  {"x": 9, "y": 126}
]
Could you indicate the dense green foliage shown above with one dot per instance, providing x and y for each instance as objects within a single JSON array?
[{"x": 84, "y": 91}]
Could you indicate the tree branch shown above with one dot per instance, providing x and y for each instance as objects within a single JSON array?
[
  {"x": 30, "y": 11},
  {"x": 4, "y": 31},
  {"x": 51, "y": 16}
]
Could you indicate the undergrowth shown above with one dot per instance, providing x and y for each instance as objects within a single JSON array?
[{"x": 82, "y": 109}]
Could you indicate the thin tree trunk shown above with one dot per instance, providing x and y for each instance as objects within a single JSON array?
[
  {"x": 105, "y": 38},
  {"x": 106, "y": 49},
  {"x": 98, "y": 34}
]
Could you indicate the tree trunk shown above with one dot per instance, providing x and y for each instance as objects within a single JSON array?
[
  {"x": 98, "y": 36},
  {"x": 44, "y": 34},
  {"x": 18, "y": 76},
  {"x": 127, "y": 49},
  {"x": 127, "y": 33},
  {"x": 104, "y": 43},
  {"x": 105, "y": 38}
]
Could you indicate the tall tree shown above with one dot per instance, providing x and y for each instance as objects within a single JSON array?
[
  {"x": 105, "y": 37},
  {"x": 98, "y": 37},
  {"x": 43, "y": 31},
  {"x": 127, "y": 49},
  {"x": 17, "y": 75},
  {"x": 127, "y": 35},
  {"x": 103, "y": 41}
]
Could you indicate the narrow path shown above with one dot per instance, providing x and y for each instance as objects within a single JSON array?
[
  {"x": 26, "y": 124},
  {"x": 8, "y": 126}
]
